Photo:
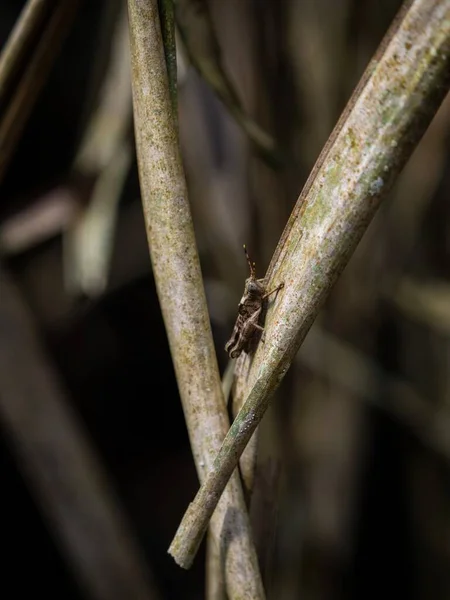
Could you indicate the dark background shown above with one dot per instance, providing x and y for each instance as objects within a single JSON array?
[{"x": 364, "y": 495}]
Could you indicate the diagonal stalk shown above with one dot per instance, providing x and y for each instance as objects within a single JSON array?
[
  {"x": 392, "y": 106},
  {"x": 21, "y": 97},
  {"x": 19, "y": 42}
]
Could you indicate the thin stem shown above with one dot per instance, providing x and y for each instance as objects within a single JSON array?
[
  {"x": 13, "y": 119},
  {"x": 18, "y": 43},
  {"x": 178, "y": 278}
]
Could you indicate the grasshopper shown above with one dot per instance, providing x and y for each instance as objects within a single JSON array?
[{"x": 251, "y": 312}]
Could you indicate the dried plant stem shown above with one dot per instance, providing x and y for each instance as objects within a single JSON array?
[
  {"x": 247, "y": 461},
  {"x": 264, "y": 514},
  {"x": 180, "y": 289},
  {"x": 13, "y": 119},
  {"x": 387, "y": 115},
  {"x": 215, "y": 588},
  {"x": 58, "y": 463},
  {"x": 13, "y": 54}
]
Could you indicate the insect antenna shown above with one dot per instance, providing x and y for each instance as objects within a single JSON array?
[{"x": 250, "y": 264}]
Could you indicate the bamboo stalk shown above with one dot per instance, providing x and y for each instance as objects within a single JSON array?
[
  {"x": 180, "y": 289},
  {"x": 392, "y": 106}
]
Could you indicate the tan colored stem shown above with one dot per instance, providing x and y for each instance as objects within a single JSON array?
[
  {"x": 386, "y": 117},
  {"x": 215, "y": 588},
  {"x": 247, "y": 461},
  {"x": 180, "y": 289}
]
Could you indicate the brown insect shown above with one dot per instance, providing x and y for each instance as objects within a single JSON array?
[{"x": 251, "y": 313}]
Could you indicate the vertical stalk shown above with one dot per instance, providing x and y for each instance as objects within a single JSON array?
[{"x": 181, "y": 294}]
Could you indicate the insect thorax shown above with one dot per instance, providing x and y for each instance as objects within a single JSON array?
[{"x": 254, "y": 289}]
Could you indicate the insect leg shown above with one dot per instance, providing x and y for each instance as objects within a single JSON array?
[{"x": 278, "y": 288}]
